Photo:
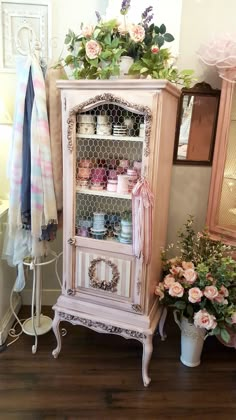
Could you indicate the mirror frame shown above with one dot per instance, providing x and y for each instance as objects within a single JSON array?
[{"x": 199, "y": 89}]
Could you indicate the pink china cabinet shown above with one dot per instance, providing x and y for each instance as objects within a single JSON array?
[
  {"x": 116, "y": 133},
  {"x": 221, "y": 215}
]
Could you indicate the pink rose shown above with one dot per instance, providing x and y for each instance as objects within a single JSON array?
[
  {"x": 123, "y": 29},
  {"x": 194, "y": 294},
  {"x": 187, "y": 264},
  {"x": 137, "y": 33},
  {"x": 87, "y": 31},
  {"x": 210, "y": 292},
  {"x": 224, "y": 291},
  {"x": 222, "y": 294},
  {"x": 176, "y": 289},
  {"x": 203, "y": 319},
  {"x": 93, "y": 49},
  {"x": 168, "y": 280},
  {"x": 233, "y": 318},
  {"x": 155, "y": 49},
  {"x": 190, "y": 275},
  {"x": 176, "y": 271},
  {"x": 159, "y": 292}
]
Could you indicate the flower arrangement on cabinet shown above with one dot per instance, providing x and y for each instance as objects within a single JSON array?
[
  {"x": 201, "y": 282},
  {"x": 95, "y": 53}
]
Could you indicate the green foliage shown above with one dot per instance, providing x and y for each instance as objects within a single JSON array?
[
  {"x": 202, "y": 264},
  {"x": 114, "y": 40}
]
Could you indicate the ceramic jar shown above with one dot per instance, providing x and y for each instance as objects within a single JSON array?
[
  {"x": 86, "y": 128},
  {"x": 83, "y": 183},
  {"x": 133, "y": 177},
  {"x": 125, "y": 235},
  {"x": 84, "y": 173},
  {"x": 102, "y": 119},
  {"x": 112, "y": 174},
  {"x": 104, "y": 129},
  {"x": 124, "y": 163},
  {"x": 85, "y": 163},
  {"x": 142, "y": 130},
  {"x": 98, "y": 220},
  {"x": 86, "y": 119},
  {"x": 112, "y": 185},
  {"x": 119, "y": 130},
  {"x": 125, "y": 63},
  {"x": 129, "y": 122},
  {"x": 122, "y": 186}
]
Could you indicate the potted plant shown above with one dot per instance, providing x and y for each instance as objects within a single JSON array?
[
  {"x": 200, "y": 285},
  {"x": 99, "y": 51}
]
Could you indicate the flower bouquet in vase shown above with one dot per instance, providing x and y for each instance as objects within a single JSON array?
[
  {"x": 200, "y": 285},
  {"x": 120, "y": 48}
]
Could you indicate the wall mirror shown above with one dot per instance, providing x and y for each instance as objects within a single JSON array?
[{"x": 196, "y": 125}]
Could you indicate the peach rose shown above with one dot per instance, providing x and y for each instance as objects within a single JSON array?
[
  {"x": 190, "y": 275},
  {"x": 137, "y": 33},
  {"x": 176, "y": 289},
  {"x": 203, "y": 319},
  {"x": 168, "y": 280},
  {"x": 159, "y": 292},
  {"x": 176, "y": 271},
  {"x": 87, "y": 31},
  {"x": 123, "y": 29},
  {"x": 194, "y": 294},
  {"x": 187, "y": 264},
  {"x": 222, "y": 294},
  {"x": 93, "y": 49},
  {"x": 210, "y": 292},
  {"x": 233, "y": 318}
]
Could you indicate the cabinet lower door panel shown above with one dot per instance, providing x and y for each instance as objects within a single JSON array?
[{"x": 108, "y": 278}]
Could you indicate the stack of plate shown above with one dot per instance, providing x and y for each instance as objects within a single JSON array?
[{"x": 119, "y": 130}]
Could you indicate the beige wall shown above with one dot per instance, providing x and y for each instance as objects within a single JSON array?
[{"x": 201, "y": 20}]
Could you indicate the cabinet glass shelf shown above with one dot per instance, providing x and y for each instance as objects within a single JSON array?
[
  {"x": 117, "y": 138},
  {"x": 103, "y": 193}
]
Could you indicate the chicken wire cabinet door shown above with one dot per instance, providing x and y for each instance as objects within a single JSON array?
[
  {"x": 115, "y": 133},
  {"x": 221, "y": 215}
]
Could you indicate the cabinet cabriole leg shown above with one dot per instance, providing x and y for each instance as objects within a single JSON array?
[
  {"x": 162, "y": 323},
  {"x": 147, "y": 353},
  {"x": 55, "y": 327}
]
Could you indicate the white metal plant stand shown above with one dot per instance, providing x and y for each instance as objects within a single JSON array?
[{"x": 38, "y": 324}]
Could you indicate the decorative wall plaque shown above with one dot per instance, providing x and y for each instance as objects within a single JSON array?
[{"x": 23, "y": 23}]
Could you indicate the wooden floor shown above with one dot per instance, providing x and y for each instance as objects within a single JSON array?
[{"x": 98, "y": 376}]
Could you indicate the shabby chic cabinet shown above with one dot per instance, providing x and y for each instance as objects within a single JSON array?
[
  {"x": 118, "y": 137},
  {"x": 221, "y": 214}
]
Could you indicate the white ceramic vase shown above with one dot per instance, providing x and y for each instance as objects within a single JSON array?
[
  {"x": 192, "y": 340},
  {"x": 125, "y": 63}
]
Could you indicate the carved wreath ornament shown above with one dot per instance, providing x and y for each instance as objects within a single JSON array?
[{"x": 103, "y": 284}]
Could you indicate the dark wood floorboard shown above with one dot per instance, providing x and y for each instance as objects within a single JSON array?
[{"x": 98, "y": 376}]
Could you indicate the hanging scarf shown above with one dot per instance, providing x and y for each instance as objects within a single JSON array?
[
  {"x": 42, "y": 196},
  {"x": 142, "y": 205}
]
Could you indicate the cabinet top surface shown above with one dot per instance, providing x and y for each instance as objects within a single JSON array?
[{"x": 120, "y": 84}]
